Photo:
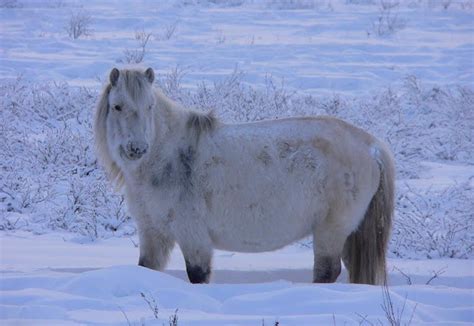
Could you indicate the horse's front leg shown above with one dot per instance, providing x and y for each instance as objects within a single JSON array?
[
  {"x": 197, "y": 251},
  {"x": 198, "y": 268},
  {"x": 155, "y": 249}
]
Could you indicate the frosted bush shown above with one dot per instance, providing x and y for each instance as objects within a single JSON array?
[
  {"x": 169, "y": 31},
  {"x": 292, "y": 4},
  {"x": 434, "y": 223},
  {"x": 220, "y": 3},
  {"x": 79, "y": 24},
  {"x": 137, "y": 55},
  {"x": 9, "y": 4},
  {"x": 388, "y": 21},
  {"x": 50, "y": 179}
]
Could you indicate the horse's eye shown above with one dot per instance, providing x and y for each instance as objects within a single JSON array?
[{"x": 118, "y": 108}]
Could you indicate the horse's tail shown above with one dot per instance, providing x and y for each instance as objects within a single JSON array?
[{"x": 365, "y": 249}]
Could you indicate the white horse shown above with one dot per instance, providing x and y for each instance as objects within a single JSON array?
[{"x": 250, "y": 187}]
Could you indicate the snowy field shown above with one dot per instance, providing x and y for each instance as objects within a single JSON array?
[
  {"x": 50, "y": 279},
  {"x": 403, "y": 70},
  {"x": 319, "y": 46}
]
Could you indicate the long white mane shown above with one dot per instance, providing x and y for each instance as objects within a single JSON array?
[{"x": 104, "y": 157}]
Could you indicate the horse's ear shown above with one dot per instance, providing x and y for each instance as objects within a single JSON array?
[
  {"x": 150, "y": 75},
  {"x": 114, "y": 76}
]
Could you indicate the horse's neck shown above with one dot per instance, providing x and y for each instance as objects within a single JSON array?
[{"x": 170, "y": 126}]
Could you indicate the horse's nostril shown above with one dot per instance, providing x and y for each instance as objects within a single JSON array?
[
  {"x": 136, "y": 149},
  {"x": 139, "y": 151}
]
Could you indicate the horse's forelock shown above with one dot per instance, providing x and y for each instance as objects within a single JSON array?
[{"x": 135, "y": 83}]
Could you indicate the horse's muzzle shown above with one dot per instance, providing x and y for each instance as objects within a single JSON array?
[{"x": 134, "y": 150}]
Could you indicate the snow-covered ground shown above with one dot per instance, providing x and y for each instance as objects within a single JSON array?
[
  {"x": 405, "y": 73},
  {"x": 50, "y": 279},
  {"x": 325, "y": 47}
]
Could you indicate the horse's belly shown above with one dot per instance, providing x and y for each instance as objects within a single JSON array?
[
  {"x": 224, "y": 241},
  {"x": 257, "y": 237},
  {"x": 263, "y": 223}
]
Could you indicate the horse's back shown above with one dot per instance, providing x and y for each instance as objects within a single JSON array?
[
  {"x": 301, "y": 144},
  {"x": 299, "y": 127}
]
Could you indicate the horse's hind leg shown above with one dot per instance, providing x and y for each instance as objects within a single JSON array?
[
  {"x": 155, "y": 249},
  {"x": 327, "y": 246}
]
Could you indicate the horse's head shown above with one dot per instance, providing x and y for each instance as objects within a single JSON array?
[{"x": 129, "y": 119}]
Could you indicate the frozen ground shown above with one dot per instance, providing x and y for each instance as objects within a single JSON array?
[
  {"x": 67, "y": 252},
  {"x": 52, "y": 280}
]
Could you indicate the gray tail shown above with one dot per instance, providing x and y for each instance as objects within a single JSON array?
[{"x": 365, "y": 249}]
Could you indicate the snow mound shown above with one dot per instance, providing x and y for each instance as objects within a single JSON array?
[
  {"x": 114, "y": 294},
  {"x": 47, "y": 279}
]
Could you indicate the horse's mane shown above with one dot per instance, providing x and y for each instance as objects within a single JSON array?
[
  {"x": 100, "y": 133},
  {"x": 197, "y": 122},
  {"x": 201, "y": 122}
]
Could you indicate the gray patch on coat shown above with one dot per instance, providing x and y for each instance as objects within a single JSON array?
[
  {"x": 170, "y": 216},
  {"x": 302, "y": 160},
  {"x": 164, "y": 177},
  {"x": 321, "y": 144},
  {"x": 285, "y": 149},
  {"x": 322, "y": 181},
  {"x": 264, "y": 157},
  {"x": 214, "y": 161},
  {"x": 186, "y": 158},
  {"x": 350, "y": 184},
  {"x": 208, "y": 199},
  {"x": 307, "y": 160},
  {"x": 297, "y": 155},
  {"x": 253, "y": 205},
  {"x": 236, "y": 186},
  {"x": 179, "y": 173}
]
